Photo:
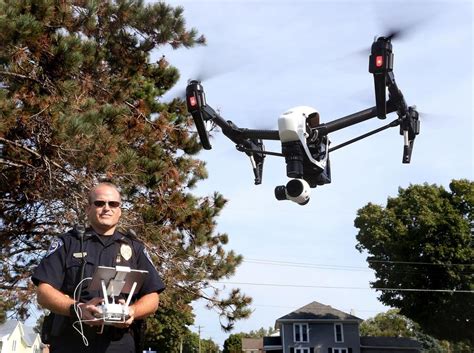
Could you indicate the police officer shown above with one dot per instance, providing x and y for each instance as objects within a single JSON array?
[{"x": 75, "y": 256}]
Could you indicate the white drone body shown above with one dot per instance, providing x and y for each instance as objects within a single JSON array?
[{"x": 293, "y": 128}]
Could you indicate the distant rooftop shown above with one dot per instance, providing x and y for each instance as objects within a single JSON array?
[
  {"x": 398, "y": 342},
  {"x": 252, "y": 343},
  {"x": 7, "y": 327},
  {"x": 318, "y": 311}
]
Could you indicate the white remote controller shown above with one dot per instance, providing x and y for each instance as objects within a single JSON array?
[{"x": 113, "y": 312}]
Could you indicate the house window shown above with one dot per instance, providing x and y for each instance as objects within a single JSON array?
[
  {"x": 338, "y": 333},
  {"x": 337, "y": 350},
  {"x": 300, "y": 332},
  {"x": 301, "y": 350},
  {"x": 14, "y": 346}
]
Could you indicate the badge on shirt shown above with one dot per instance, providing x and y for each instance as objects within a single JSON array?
[
  {"x": 126, "y": 251},
  {"x": 55, "y": 245}
]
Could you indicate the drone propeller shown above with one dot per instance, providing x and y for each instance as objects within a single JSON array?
[
  {"x": 200, "y": 77},
  {"x": 394, "y": 34}
]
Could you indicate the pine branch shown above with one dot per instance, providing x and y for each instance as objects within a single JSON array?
[
  {"x": 13, "y": 74},
  {"x": 18, "y": 164},
  {"x": 45, "y": 159}
]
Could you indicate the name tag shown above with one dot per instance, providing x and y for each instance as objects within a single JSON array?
[{"x": 79, "y": 255}]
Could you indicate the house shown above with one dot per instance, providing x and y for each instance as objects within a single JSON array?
[
  {"x": 252, "y": 345},
  {"x": 17, "y": 338},
  {"x": 319, "y": 328}
]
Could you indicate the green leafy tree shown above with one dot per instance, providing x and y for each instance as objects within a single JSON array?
[
  {"x": 191, "y": 343},
  {"x": 80, "y": 100},
  {"x": 233, "y": 344},
  {"x": 209, "y": 346},
  {"x": 392, "y": 324},
  {"x": 261, "y": 332},
  {"x": 420, "y": 247},
  {"x": 389, "y": 324}
]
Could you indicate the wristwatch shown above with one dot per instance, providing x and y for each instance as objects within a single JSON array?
[{"x": 72, "y": 311}]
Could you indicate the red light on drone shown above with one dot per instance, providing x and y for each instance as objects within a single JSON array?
[
  {"x": 192, "y": 101},
  {"x": 379, "y": 61}
]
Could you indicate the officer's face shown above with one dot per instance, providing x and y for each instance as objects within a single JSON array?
[{"x": 103, "y": 216}]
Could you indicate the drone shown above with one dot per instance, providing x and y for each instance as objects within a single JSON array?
[{"x": 305, "y": 144}]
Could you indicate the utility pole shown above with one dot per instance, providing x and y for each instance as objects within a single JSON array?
[{"x": 199, "y": 333}]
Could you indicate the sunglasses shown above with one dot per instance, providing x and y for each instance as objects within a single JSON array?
[{"x": 112, "y": 204}]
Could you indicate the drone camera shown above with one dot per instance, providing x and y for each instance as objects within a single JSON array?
[
  {"x": 296, "y": 190},
  {"x": 294, "y": 156}
]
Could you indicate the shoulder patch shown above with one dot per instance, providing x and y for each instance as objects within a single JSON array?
[{"x": 55, "y": 245}]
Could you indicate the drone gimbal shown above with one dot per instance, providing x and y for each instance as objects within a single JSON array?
[{"x": 304, "y": 140}]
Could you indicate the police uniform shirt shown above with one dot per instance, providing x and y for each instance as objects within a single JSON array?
[{"x": 61, "y": 268}]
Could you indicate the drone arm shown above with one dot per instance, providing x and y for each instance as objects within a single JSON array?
[
  {"x": 408, "y": 116},
  {"x": 349, "y": 120},
  {"x": 396, "y": 95},
  {"x": 235, "y": 133},
  {"x": 246, "y": 140},
  {"x": 407, "y": 119}
]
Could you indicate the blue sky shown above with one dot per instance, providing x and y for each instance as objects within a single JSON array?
[{"x": 274, "y": 55}]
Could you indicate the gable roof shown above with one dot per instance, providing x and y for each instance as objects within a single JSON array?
[
  {"x": 316, "y": 311},
  {"x": 27, "y": 333},
  {"x": 7, "y": 328},
  {"x": 30, "y": 335}
]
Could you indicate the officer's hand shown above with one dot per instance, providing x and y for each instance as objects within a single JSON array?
[
  {"x": 131, "y": 316},
  {"x": 90, "y": 312}
]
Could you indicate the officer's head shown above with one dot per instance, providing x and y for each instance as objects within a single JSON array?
[{"x": 104, "y": 210}]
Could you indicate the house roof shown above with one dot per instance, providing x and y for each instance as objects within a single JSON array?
[
  {"x": 28, "y": 333},
  {"x": 8, "y": 327},
  {"x": 252, "y": 343},
  {"x": 317, "y": 311},
  {"x": 393, "y": 342}
]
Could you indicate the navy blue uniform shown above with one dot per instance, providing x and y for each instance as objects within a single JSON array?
[{"x": 61, "y": 268}]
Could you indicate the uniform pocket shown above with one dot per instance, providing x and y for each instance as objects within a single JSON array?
[{"x": 74, "y": 274}]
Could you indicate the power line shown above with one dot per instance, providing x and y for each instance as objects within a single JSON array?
[
  {"x": 292, "y": 307},
  {"x": 411, "y": 268},
  {"x": 307, "y": 265},
  {"x": 350, "y": 288},
  {"x": 346, "y": 267}
]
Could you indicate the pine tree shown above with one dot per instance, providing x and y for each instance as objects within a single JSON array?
[{"x": 80, "y": 102}]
